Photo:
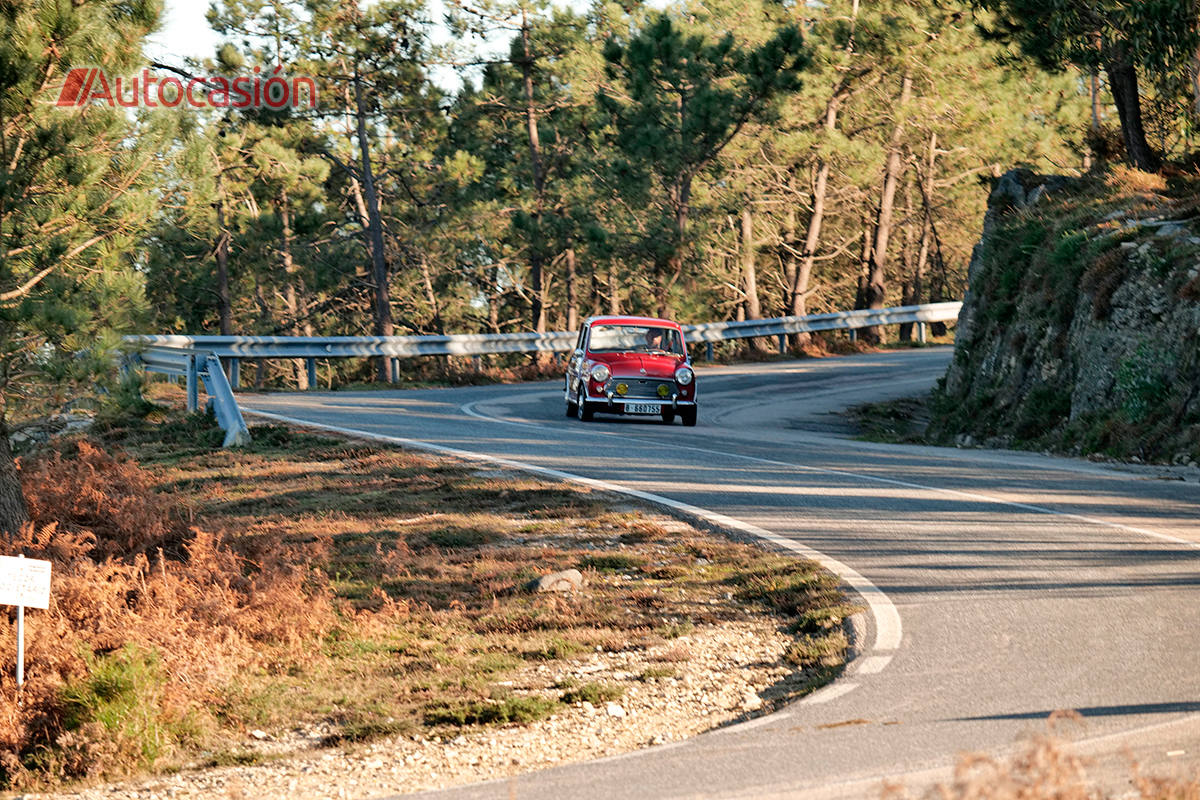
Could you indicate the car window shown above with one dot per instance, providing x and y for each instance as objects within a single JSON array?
[{"x": 635, "y": 339}]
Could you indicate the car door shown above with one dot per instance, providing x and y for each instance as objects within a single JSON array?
[{"x": 575, "y": 363}]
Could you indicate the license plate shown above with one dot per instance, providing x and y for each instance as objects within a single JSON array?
[{"x": 643, "y": 408}]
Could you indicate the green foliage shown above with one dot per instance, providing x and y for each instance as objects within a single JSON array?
[
  {"x": 1042, "y": 409},
  {"x": 611, "y": 562},
  {"x": 521, "y": 710},
  {"x": 810, "y": 651},
  {"x": 594, "y": 693},
  {"x": 1143, "y": 381},
  {"x": 791, "y": 592},
  {"x": 122, "y": 694},
  {"x": 74, "y": 201}
]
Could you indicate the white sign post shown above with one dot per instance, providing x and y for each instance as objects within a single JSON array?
[{"x": 24, "y": 582}]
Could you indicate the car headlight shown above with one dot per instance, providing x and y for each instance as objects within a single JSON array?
[
  {"x": 600, "y": 373},
  {"x": 684, "y": 376}
]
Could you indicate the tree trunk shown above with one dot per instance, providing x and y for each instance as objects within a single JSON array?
[
  {"x": 13, "y": 511},
  {"x": 907, "y": 257},
  {"x": 1123, "y": 81},
  {"x": 494, "y": 300},
  {"x": 293, "y": 294},
  {"x": 788, "y": 249},
  {"x": 812, "y": 236},
  {"x": 536, "y": 246},
  {"x": 614, "y": 291},
  {"x": 224, "y": 301},
  {"x": 749, "y": 270},
  {"x": 572, "y": 291},
  {"x": 876, "y": 290},
  {"x": 681, "y": 198},
  {"x": 864, "y": 267},
  {"x": 383, "y": 302},
  {"x": 264, "y": 323},
  {"x": 431, "y": 296}
]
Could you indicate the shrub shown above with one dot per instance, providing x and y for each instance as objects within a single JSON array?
[
  {"x": 148, "y": 619},
  {"x": 594, "y": 693},
  {"x": 519, "y": 709}
]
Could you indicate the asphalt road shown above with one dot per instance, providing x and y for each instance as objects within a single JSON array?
[{"x": 1002, "y": 586}]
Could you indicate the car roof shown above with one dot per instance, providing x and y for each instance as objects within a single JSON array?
[{"x": 620, "y": 320}]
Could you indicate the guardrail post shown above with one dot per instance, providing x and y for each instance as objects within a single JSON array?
[
  {"x": 394, "y": 364},
  {"x": 921, "y": 332},
  {"x": 235, "y": 373},
  {"x": 708, "y": 351},
  {"x": 225, "y": 406},
  {"x": 311, "y": 365},
  {"x": 854, "y": 334},
  {"x": 782, "y": 343},
  {"x": 193, "y": 385}
]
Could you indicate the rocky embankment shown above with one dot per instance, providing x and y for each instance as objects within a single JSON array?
[{"x": 1080, "y": 331}]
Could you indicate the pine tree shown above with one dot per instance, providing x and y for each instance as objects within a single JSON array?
[
  {"x": 676, "y": 99},
  {"x": 1120, "y": 37},
  {"x": 71, "y": 208}
]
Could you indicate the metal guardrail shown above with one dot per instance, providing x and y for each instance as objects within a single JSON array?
[
  {"x": 473, "y": 344},
  {"x": 195, "y": 366},
  {"x": 200, "y": 357},
  {"x": 838, "y": 320}
]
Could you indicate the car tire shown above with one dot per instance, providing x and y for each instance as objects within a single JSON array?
[
  {"x": 688, "y": 415},
  {"x": 570, "y": 408},
  {"x": 584, "y": 410},
  {"x": 668, "y": 415}
]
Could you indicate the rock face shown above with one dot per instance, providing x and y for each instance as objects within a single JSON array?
[{"x": 1081, "y": 327}]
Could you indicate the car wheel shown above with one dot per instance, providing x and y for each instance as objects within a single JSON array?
[
  {"x": 570, "y": 407},
  {"x": 584, "y": 410},
  {"x": 668, "y": 415},
  {"x": 689, "y": 415}
]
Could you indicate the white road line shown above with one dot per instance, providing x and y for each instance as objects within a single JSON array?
[
  {"x": 888, "y": 629},
  {"x": 831, "y": 692},
  {"x": 468, "y": 409},
  {"x": 871, "y": 665}
]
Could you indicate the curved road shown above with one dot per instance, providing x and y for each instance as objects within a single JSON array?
[{"x": 1003, "y": 586}]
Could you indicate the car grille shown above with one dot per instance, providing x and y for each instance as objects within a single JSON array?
[{"x": 643, "y": 388}]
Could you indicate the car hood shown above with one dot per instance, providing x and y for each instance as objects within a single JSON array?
[{"x": 638, "y": 364}]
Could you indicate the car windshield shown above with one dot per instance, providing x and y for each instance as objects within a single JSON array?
[{"x": 635, "y": 339}]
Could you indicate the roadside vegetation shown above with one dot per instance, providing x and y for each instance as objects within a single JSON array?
[
  {"x": 200, "y": 594},
  {"x": 1047, "y": 767}
]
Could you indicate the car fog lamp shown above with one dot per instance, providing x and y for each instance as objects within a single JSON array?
[
  {"x": 663, "y": 390},
  {"x": 684, "y": 376},
  {"x": 622, "y": 388},
  {"x": 600, "y": 373}
]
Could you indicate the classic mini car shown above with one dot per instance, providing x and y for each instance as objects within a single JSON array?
[{"x": 632, "y": 366}]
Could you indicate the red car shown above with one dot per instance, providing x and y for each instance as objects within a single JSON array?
[{"x": 637, "y": 366}]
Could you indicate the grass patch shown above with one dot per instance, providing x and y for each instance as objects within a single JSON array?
[
  {"x": 499, "y": 712},
  {"x": 594, "y": 693},
  {"x": 900, "y": 421},
  {"x": 611, "y": 562},
  {"x": 658, "y": 673}
]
